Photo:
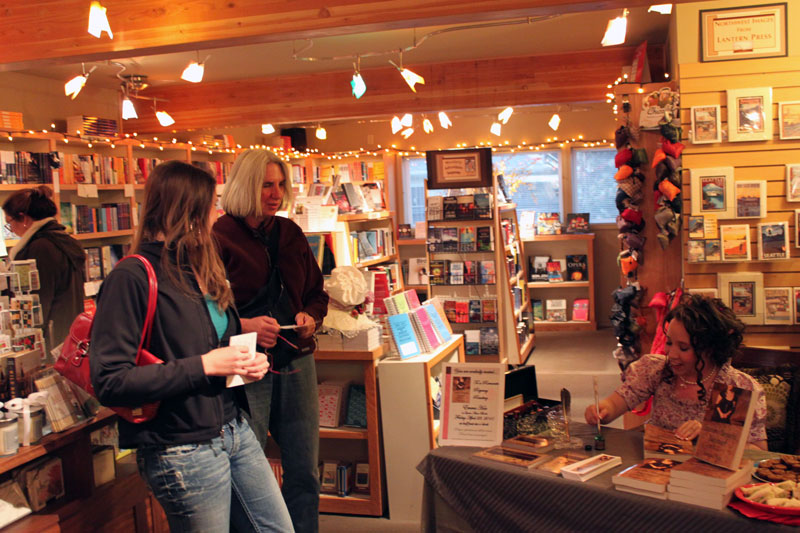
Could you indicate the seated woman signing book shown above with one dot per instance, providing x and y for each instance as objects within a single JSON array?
[{"x": 702, "y": 337}]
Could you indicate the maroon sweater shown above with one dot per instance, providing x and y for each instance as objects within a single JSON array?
[{"x": 247, "y": 265}]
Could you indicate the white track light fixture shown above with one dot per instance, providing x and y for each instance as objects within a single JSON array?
[
  {"x": 495, "y": 129},
  {"x": 406, "y": 120},
  {"x": 406, "y": 133},
  {"x": 321, "y": 133},
  {"x": 554, "y": 122},
  {"x": 412, "y": 78},
  {"x": 267, "y": 129},
  {"x": 427, "y": 126},
  {"x": 163, "y": 117},
  {"x": 98, "y": 21},
  {"x": 194, "y": 72},
  {"x": 664, "y": 9},
  {"x": 505, "y": 114},
  {"x": 74, "y": 86},
  {"x": 357, "y": 83},
  {"x": 444, "y": 120},
  {"x": 616, "y": 29},
  {"x": 128, "y": 109},
  {"x": 396, "y": 126}
]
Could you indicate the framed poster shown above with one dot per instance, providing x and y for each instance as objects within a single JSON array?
[
  {"x": 797, "y": 228},
  {"x": 712, "y": 191},
  {"x": 750, "y": 199},
  {"x": 472, "y": 404},
  {"x": 735, "y": 242},
  {"x": 796, "y": 304},
  {"x": 696, "y": 251},
  {"x": 743, "y": 292},
  {"x": 773, "y": 241},
  {"x": 706, "y": 124},
  {"x": 746, "y": 32},
  {"x": 793, "y": 183},
  {"x": 778, "y": 305},
  {"x": 696, "y": 228},
  {"x": 789, "y": 120},
  {"x": 713, "y": 250},
  {"x": 452, "y": 169},
  {"x": 750, "y": 114},
  {"x": 709, "y": 293}
]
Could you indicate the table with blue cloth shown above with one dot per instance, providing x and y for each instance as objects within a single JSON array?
[{"x": 467, "y": 494}]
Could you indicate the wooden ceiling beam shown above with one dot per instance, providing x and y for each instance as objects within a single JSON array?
[
  {"x": 530, "y": 80},
  {"x": 47, "y": 32}
]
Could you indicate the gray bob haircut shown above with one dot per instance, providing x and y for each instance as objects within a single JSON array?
[{"x": 242, "y": 194}]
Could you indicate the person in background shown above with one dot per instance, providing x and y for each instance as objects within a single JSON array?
[
  {"x": 198, "y": 456},
  {"x": 277, "y": 283},
  {"x": 60, "y": 259},
  {"x": 702, "y": 337}
]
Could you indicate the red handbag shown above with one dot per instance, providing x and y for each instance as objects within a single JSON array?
[{"x": 73, "y": 361}]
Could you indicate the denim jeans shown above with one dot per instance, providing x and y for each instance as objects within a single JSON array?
[
  {"x": 216, "y": 486},
  {"x": 287, "y": 406}
]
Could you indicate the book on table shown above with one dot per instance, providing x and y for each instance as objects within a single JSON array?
[
  {"x": 649, "y": 477},
  {"x": 531, "y": 443},
  {"x": 705, "y": 478},
  {"x": 555, "y": 463},
  {"x": 588, "y": 468},
  {"x": 662, "y": 443},
  {"x": 726, "y": 426},
  {"x": 510, "y": 456}
]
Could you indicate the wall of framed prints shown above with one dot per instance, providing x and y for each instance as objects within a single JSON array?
[{"x": 741, "y": 180}]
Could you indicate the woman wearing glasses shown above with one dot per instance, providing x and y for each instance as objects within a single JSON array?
[
  {"x": 59, "y": 258},
  {"x": 278, "y": 289}
]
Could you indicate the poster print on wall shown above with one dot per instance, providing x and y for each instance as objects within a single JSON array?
[
  {"x": 706, "y": 124},
  {"x": 789, "y": 120},
  {"x": 797, "y": 228},
  {"x": 744, "y": 32},
  {"x": 452, "y": 169},
  {"x": 793, "y": 183},
  {"x": 735, "y": 242},
  {"x": 796, "y": 304},
  {"x": 778, "y": 305},
  {"x": 712, "y": 191},
  {"x": 773, "y": 241},
  {"x": 750, "y": 199},
  {"x": 750, "y": 114},
  {"x": 743, "y": 292}
]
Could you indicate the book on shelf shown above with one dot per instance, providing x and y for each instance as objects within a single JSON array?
[
  {"x": 450, "y": 311},
  {"x": 483, "y": 238},
  {"x": 462, "y": 311},
  {"x": 404, "y": 231},
  {"x": 434, "y": 239},
  {"x": 471, "y": 272},
  {"x": 456, "y": 272},
  {"x": 421, "y": 230},
  {"x": 489, "y": 310},
  {"x": 417, "y": 271},
  {"x": 354, "y": 197},
  {"x": 449, "y": 240},
  {"x": 538, "y": 268},
  {"x": 490, "y": 341},
  {"x": 556, "y": 310},
  {"x": 662, "y": 443},
  {"x": 577, "y": 223},
  {"x": 577, "y": 267},
  {"x": 475, "y": 314},
  {"x": 426, "y": 332},
  {"x": 465, "y": 206},
  {"x": 450, "y": 208},
  {"x": 510, "y": 456},
  {"x": 646, "y": 477},
  {"x": 42, "y": 481},
  {"x": 488, "y": 274},
  {"x": 554, "y": 272},
  {"x": 537, "y": 309},
  {"x": 726, "y": 426},
  {"x": 466, "y": 239},
  {"x": 404, "y": 336},
  {"x": 548, "y": 223},
  {"x": 373, "y": 195},
  {"x": 580, "y": 309},
  {"x": 591, "y": 467},
  {"x": 483, "y": 205},
  {"x": 438, "y": 319},
  {"x": 339, "y": 199},
  {"x": 472, "y": 341},
  {"x": 435, "y": 208}
]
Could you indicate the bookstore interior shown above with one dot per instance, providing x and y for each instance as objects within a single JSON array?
[{"x": 457, "y": 205}]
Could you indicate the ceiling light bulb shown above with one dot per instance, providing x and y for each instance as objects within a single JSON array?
[
  {"x": 495, "y": 129},
  {"x": 664, "y": 9},
  {"x": 505, "y": 114},
  {"x": 74, "y": 86},
  {"x": 616, "y": 29},
  {"x": 321, "y": 133},
  {"x": 554, "y": 122},
  {"x": 98, "y": 22},
  {"x": 396, "y": 126},
  {"x": 164, "y": 119},
  {"x": 444, "y": 120},
  {"x": 407, "y": 120},
  {"x": 427, "y": 126},
  {"x": 406, "y": 133},
  {"x": 194, "y": 72},
  {"x": 266, "y": 129},
  {"x": 358, "y": 85},
  {"x": 128, "y": 110},
  {"x": 412, "y": 78}
]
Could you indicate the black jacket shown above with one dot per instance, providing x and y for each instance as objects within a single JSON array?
[{"x": 191, "y": 403}]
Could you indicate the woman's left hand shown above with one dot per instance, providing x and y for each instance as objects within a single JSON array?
[
  {"x": 689, "y": 430},
  {"x": 308, "y": 324},
  {"x": 256, "y": 367}
]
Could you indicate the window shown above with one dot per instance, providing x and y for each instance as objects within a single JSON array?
[
  {"x": 415, "y": 172},
  {"x": 593, "y": 187},
  {"x": 532, "y": 179}
]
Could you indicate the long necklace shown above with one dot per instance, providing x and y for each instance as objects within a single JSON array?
[{"x": 686, "y": 382}]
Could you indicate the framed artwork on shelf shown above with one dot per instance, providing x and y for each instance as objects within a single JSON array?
[
  {"x": 709, "y": 292},
  {"x": 789, "y": 120},
  {"x": 743, "y": 292},
  {"x": 793, "y": 183},
  {"x": 735, "y": 242},
  {"x": 706, "y": 124},
  {"x": 743, "y": 32},
  {"x": 750, "y": 114},
  {"x": 797, "y": 228},
  {"x": 778, "y": 306},
  {"x": 696, "y": 228},
  {"x": 750, "y": 199},
  {"x": 452, "y": 169},
  {"x": 712, "y": 191},
  {"x": 713, "y": 250},
  {"x": 773, "y": 241}
]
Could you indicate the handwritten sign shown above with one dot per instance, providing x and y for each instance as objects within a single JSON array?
[{"x": 472, "y": 404}]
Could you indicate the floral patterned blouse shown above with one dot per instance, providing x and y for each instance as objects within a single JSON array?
[{"x": 643, "y": 379}]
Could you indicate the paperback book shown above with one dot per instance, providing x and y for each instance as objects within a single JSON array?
[
  {"x": 456, "y": 272},
  {"x": 434, "y": 240},
  {"x": 465, "y": 206},
  {"x": 450, "y": 206},
  {"x": 577, "y": 268},
  {"x": 489, "y": 308},
  {"x": 488, "y": 273},
  {"x": 530, "y": 443},
  {"x": 580, "y": 309},
  {"x": 490, "y": 341},
  {"x": 660, "y": 443},
  {"x": 556, "y": 310},
  {"x": 475, "y": 313},
  {"x": 472, "y": 341},
  {"x": 483, "y": 205},
  {"x": 510, "y": 456},
  {"x": 449, "y": 240},
  {"x": 470, "y": 272},
  {"x": 577, "y": 223},
  {"x": 538, "y": 268},
  {"x": 435, "y": 208},
  {"x": 648, "y": 476},
  {"x": 484, "y": 239},
  {"x": 538, "y": 309},
  {"x": 554, "y": 272},
  {"x": 548, "y": 223},
  {"x": 726, "y": 425}
]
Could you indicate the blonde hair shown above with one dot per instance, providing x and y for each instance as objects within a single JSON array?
[
  {"x": 242, "y": 194},
  {"x": 178, "y": 198}
]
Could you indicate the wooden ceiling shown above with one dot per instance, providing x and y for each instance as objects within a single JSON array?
[{"x": 38, "y": 33}]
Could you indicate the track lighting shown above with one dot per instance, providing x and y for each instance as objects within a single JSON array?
[
  {"x": 164, "y": 119},
  {"x": 664, "y": 9},
  {"x": 321, "y": 133},
  {"x": 495, "y": 129},
  {"x": 406, "y": 133},
  {"x": 412, "y": 78},
  {"x": 427, "y": 126},
  {"x": 616, "y": 29},
  {"x": 407, "y": 120},
  {"x": 554, "y": 122},
  {"x": 128, "y": 110},
  {"x": 98, "y": 22},
  {"x": 357, "y": 83},
  {"x": 396, "y": 126},
  {"x": 74, "y": 86},
  {"x": 266, "y": 129},
  {"x": 194, "y": 72},
  {"x": 505, "y": 114},
  {"x": 444, "y": 120}
]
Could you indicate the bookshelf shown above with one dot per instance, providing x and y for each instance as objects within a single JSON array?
[
  {"x": 410, "y": 425},
  {"x": 559, "y": 246}
]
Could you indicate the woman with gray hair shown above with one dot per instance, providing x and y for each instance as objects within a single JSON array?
[{"x": 278, "y": 289}]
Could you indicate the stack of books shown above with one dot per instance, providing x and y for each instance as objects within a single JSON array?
[
  {"x": 699, "y": 483},
  {"x": 647, "y": 478},
  {"x": 415, "y": 328}
]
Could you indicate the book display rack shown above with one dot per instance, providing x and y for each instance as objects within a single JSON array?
[{"x": 579, "y": 295}]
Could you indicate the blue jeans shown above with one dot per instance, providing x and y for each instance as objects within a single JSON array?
[
  {"x": 287, "y": 406},
  {"x": 217, "y": 485}
]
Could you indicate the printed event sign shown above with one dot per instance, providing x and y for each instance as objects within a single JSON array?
[{"x": 472, "y": 404}]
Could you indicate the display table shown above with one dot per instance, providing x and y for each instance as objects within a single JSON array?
[{"x": 463, "y": 493}]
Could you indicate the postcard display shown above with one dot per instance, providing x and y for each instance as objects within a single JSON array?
[{"x": 478, "y": 272}]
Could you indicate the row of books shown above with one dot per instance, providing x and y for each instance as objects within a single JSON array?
[
  {"x": 27, "y": 167},
  {"x": 100, "y": 260},
  {"x": 483, "y": 341},
  {"x": 470, "y": 311},
  {"x": 460, "y": 240},
  {"x": 351, "y": 197},
  {"x": 92, "y": 168},
  {"x": 342, "y": 478},
  {"x": 549, "y": 223},
  {"x": 464, "y": 207},
  {"x": 355, "y": 171},
  {"x": 556, "y": 310},
  {"x": 381, "y": 281},
  {"x": 420, "y": 329},
  {"x": 87, "y": 219},
  {"x": 371, "y": 244},
  {"x": 574, "y": 268},
  {"x": 444, "y": 272}
]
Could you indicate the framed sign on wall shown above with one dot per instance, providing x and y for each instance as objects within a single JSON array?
[{"x": 746, "y": 32}]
